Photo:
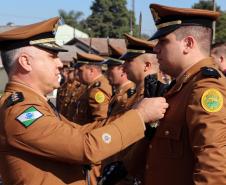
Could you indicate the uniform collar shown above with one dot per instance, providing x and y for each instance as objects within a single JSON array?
[
  {"x": 126, "y": 85},
  {"x": 13, "y": 86},
  {"x": 192, "y": 71}
]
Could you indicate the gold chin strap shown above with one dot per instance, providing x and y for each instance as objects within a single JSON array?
[
  {"x": 42, "y": 41},
  {"x": 135, "y": 51},
  {"x": 165, "y": 24},
  {"x": 115, "y": 60}
]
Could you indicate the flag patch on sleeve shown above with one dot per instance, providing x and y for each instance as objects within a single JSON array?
[{"x": 29, "y": 116}]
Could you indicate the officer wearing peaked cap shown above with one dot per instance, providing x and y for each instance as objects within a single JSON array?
[
  {"x": 188, "y": 147},
  {"x": 93, "y": 103},
  {"x": 75, "y": 94},
  {"x": 125, "y": 89},
  {"x": 38, "y": 145},
  {"x": 68, "y": 91},
  {"x": 140, "y": 62}
]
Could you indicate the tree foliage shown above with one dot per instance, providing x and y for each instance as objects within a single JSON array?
[
  {"x": 207, "y": 5},
  {"x": 72, "y": 18},
  {"x": 221, "y": 22},
  {"x": 109, "y": 18}
]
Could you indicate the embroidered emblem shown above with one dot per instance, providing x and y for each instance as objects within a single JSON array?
[
  {"x": 29, "y": 116},
  {"x": 212, "y": 100},
  {"x": 99, "y": 97},
  {"x": 106, "y": 138},
  {"x": 97, "y": 84},
  {"x": 155, "y": 15},
  {"x": 210, "y": 72},
  {"x": 131, "y": 92},
  {"x": 14, "y": 98}
]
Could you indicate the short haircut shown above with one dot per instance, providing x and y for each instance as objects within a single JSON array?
[
  {"x": 9, "y": 58},
  {"x": 203, "y": 36},
  {"x": 219, "y": 49}
]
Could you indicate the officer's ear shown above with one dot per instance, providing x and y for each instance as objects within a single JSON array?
[
  {"x": 188, "y": 44},
  {"x": 147, "y": 66},
  {"x": 24, "y": 61},
  {"x": 221, "y": 59}
]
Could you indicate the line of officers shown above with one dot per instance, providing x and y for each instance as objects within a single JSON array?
[
  {"x": 95, "y": 88},
  {"x": 99, "y": 89},
  {"x": 40, "y": 146}
]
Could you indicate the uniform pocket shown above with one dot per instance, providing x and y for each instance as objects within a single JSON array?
[{"x": 169, "y": 142}]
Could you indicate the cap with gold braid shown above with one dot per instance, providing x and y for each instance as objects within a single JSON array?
[
  {"x": 40, "y": 34},
  {"x": 167, "y": 19},
  {"x": 114, "y": 54},
  {"x": 136, "y": 47},
  {"x": 87, "y": 58}
]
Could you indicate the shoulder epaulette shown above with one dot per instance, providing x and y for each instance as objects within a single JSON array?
[
  {"x": 210, "y": 72},
  {"x": 96, "y": 84},
  {"x": 131, "y": 92},
  {"x": 14, "y": 98}
]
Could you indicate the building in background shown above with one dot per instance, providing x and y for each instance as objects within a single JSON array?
[{"x": 66, "y": 33}]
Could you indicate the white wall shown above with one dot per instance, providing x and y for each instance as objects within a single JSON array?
[{"x": 66, "y": 33}]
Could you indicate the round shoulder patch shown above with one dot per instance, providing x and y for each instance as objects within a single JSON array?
[
  {"x": 99, "y": 97},
  {"x": 106, "y": 138},
  {"x": 212, "y": 100}
]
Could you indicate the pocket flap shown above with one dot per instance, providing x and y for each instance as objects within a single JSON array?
[{"x": 169, "y": 132}]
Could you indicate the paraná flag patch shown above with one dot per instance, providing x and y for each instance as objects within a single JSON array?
[{"x": 29, "y": 116}]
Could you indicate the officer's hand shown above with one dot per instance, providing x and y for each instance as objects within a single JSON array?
[{"x": 152, "y": 109}]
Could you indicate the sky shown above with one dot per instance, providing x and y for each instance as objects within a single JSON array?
[{"x": 21, "y": 12}]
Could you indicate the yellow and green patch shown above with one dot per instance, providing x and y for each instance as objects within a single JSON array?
[
  {"x": 99, "y": 97},
  {"x": 212, "y": 100}
]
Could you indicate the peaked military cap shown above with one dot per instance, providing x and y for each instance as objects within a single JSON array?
[
  {"x": 40, "y": 34},
  {"x": 114, "y": 54},
  {"x": 87, "y": 58},
  {"x": 136, "y": 47},
  {"x": 167, "y": 19}
]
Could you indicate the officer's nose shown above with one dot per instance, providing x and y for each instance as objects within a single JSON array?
[{"x": 59, "y": 63}]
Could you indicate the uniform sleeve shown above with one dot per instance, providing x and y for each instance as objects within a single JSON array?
[
  {"x": 206, "y": 120},
  {"x": 55, "y": 139},
  {"x": 98, "y": 102}
]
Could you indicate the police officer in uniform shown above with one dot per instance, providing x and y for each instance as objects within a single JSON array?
[
  {"x": 61, "y": 90},
  {"x": 37, "y": 144},
  {"x": 218, "y": 52},
  {"x": 78, "y": 91},
  {"x": 139, "y": 63},
  {"x": 189, "y": 146},
  {"x": 125, "y": 88},
  {"x": 93, "y": 103},
  {"x": 67, "y": 91}
]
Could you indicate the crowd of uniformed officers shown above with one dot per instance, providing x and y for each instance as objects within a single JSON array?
[{"x": 152, "y": 113}]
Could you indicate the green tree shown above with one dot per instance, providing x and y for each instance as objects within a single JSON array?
[
  {"x": 72, "y": 18},
  {"x": 109, "y": 18},
  {"x": 220, "y": 28},
  {"x": 205, "y": 4},
  {"x": 221, "y": 22}
]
